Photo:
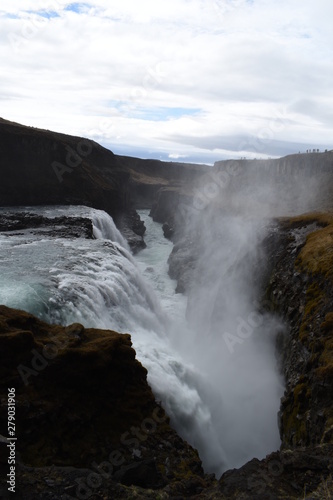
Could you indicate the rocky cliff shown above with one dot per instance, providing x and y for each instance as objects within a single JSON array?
[
  {"x": 86, "y": 418},
  {"x": 301, "y": 289}
]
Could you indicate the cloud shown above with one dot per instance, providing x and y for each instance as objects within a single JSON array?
[{"x": 175, "y": 78}]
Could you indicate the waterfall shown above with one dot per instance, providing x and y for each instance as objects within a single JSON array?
[
  {"x": 105, "y": 228},
  {"x": 214, "y": 399}
]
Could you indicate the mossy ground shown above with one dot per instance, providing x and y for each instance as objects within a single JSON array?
[{"x": 316, "y": 256}]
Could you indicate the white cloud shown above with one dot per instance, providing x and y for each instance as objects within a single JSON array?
[{"x": 257, "y": 72}]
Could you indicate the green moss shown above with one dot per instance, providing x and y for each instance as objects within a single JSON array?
[
  {"x": 294, "y": 424},
  {"x": 315, "y": 299},
  {"x": 316, "y": 256},
  {"x": 325, "y": 369},
  {"x": 183, "y": 471}
]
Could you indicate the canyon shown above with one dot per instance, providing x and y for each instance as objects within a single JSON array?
[{"x": 83, "y": 392}]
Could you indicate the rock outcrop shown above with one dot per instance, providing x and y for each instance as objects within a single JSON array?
[
  {"x": 60, "y": 227},
  {"x": 132, "y": 228},
  {"x": 84, "y": 408},
  {"x": 301, "y": 289}
]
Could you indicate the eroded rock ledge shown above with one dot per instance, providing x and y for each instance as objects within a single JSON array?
[
  {"x": 60, "y": 227},
  {"x": 84, "y": 408}
]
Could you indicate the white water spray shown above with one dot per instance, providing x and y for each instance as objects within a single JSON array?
[{"x": 224, "y": 403}]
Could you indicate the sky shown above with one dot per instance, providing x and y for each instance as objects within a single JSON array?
[{"x": 184, "y": 80}]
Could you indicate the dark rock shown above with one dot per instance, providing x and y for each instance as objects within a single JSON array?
[
  {"x": 304, "y": 298},
  {"x": 132, "y": 228},
  {"x": 149, "y": 176},
  {"x": 143, "y": 473},
  {"x": 82, "y": 401},
  {"x": 166, "y": 203},
  {"x": 182, "y": 262},
  {"x": 59, "y": 227},
  {"x": 285, "y": 474},
  {"x": 168, "y": 230}
]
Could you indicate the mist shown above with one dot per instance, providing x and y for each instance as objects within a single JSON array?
[{"x": 229, "y": 338}]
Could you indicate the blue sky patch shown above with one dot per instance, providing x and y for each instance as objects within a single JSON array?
[
  {"x": 156, "y": 114},
  {"x": 163, "y": 113},
  {"x": 48, "y": 14},
  {"x": 77, "y": 7},
  {"x": 42, "y": 13},
  {"x": 11, "y": 16}
]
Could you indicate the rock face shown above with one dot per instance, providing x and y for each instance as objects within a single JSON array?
[
  {"x": 301, "y": 288},
  {"x": 60, "y": 227},
  {"x": 182, "y": 262},
  {"x": 132, "y": 228},
  {"x": 148, "y": 177},
  {"x": 299, "y": 474},
  {"x": 82, "y": 400}
]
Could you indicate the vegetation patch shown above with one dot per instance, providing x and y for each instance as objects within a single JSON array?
[
  {"x": 316, "y": 256},
  {"x": 294, "y": 420}
]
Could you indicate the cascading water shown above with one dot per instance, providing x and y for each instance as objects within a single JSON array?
[{"x": 223, "y": 401}]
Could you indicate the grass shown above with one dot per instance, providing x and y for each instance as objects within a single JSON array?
[
  {"x": 323, "y": 492},
  {"x": 316, "y": 256}
]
